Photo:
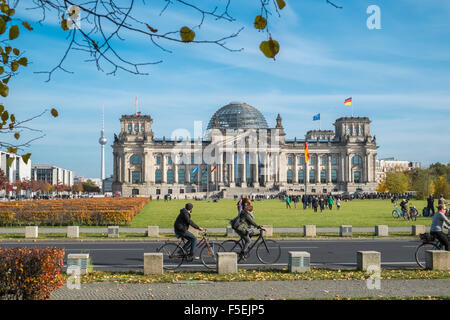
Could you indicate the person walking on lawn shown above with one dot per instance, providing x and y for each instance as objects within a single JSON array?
[
  {"x": 330, "y": 202},
  {"x": 288, "y": 202}
]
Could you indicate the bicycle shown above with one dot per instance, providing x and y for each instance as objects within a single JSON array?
[
  {"x": 175, "y": 254},
  {"x": 411, "y": 214},
  {"x": 268, "y": 251},
  {"x": 429, "y": 242}
]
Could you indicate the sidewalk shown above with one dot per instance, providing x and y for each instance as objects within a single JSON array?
[{"x": 261, "y": 290}]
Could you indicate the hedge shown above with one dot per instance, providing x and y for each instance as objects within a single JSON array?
[
  {"x": 30, "y": 274},
  {"x": 90, "y": 212}
]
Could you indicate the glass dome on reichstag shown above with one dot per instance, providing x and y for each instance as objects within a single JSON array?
[{"x": 237, "y": 115}]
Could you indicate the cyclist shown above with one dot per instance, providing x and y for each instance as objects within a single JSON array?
[
  {"x": 437, "y": 226},
  {"x": 181, "y": 227},
  {"x": 244, "y": 226},
  {"x": 403, "y": 206}
]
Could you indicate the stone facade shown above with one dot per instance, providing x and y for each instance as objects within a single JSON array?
[{"x": 232, "y": 161}]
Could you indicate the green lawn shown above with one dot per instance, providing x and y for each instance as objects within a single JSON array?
[{"x": 358, "y": 213}]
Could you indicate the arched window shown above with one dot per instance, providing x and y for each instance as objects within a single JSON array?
[
  {"x": 158, "y": 176},
  {"x": 356, "y": 160},
  {"x": 361, "y": 130},
  {"x": 170, "y": 177},
  {"x": 130, "y": 128},
  {"x": 136, "y": 128},
  {"x": 181, "y": 176},
  {"x": 312, "y": 176},
  {"x": 324, "y": 160},
  {"x": 289, "y": 176},
  {"x": 301, "y": 176},
  {"x": 142, "y": 127},
  {"x": 135, "y": 159}
]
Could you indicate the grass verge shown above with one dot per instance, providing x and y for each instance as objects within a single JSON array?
[{"x": 258, "y": 275}]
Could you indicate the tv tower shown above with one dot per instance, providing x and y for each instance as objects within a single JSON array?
[{"x": 102, "y": 142}]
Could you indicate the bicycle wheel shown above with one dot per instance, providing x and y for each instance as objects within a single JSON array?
[
  {"x": 209, "y": 256},
  {"x": 420, "y": 253},
  {"x": 173, "y": 256},
  {"x": 268, "y": 251},
  {"x": 395, "y": 214}
]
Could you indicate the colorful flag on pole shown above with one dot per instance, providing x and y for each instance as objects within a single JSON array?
[
  {"x": 306, "y": 152},
  {"x": 348, "y": 102},
  {"x": 316, "y": 117},
  {"x": 195, "y": 170},
  {"x": 214, "y": 169}
]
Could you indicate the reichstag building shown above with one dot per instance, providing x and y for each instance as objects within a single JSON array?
[{"x": 241, "y": 154}]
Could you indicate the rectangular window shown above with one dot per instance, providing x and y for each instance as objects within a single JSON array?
[
  {"x": 290, "y": 161},
  {"x": 142, "y": 127},
  {"x": 312, "y": 176},
  {"x": 158, "y": 160},
  {"x": 334, "y": 160},
  {"x": 301, "y": 159},
  {"x": 312, "y": 160},
  {"x": 357, "y": 177},
  {"x": 130, "y": 128},
  {"x": 301, "y": 176},
  {"x": 135, "y": 176},
  {"x": 323, "y": 176},
  {"x": 334, "y": 175},
  {"x": 324, "y": 160},
  {"x": 169, "y": 160}
]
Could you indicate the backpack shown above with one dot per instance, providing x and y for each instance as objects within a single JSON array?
[{"x": 235, "y": 221}]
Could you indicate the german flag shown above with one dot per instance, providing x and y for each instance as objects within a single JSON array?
[
  {"x": 306, "y": 152},
  {"x": 348, "y": 102},
  {"x": 214, "y": 169}
]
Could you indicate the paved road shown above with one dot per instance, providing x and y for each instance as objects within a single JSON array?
[
  {"x": 260, "y": 290},
  {"x": 128, "y": 255}
]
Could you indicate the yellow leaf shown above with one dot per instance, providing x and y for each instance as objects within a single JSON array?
[
  {"x": 270, "y": 48},
  {"x": 187, "y": 35},
  {"x": 54, "y": 112},
  {"x": 281, "y": 4},
  {"x": 260, "y": 22},
  {"x": 13, "y": 32},
  {"x": 9, "y": 161},
  {"x": 64, "y": 25},
  {"x": 17, "y": 135},
  {"x": 27, "y": 26}
]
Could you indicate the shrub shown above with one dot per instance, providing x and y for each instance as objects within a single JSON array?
[{"x": 30, "y": 274}]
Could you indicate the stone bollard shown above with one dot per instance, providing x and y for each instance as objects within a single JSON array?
[
  {"x": 73, "y": 232},
  {"x": 230, "y": 232},
  {"x": 193, "y": 231},
  {"x": 31, "y": 232},
  {"x": 345, "y": 231},
  {"x": 152, "y": 231},
  {"x": 113, "y": 231},
  {"x": 381, "y": 231},
  {"x": 417, "y": 229},
  {"x": 227, "y": 262},
  {"x": 309, "y": 231},
  {"x": 299, "y": 261},
  {"x": 269, "y": 231},
  {"x": 153, "y": 263},
  {"x": 437, "y": 260},
  {"x": 366, "y": 259},
  {"x": 80, "y": 260}
]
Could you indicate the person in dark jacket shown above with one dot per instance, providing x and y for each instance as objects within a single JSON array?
[
  {"x": 430, "y": 205},
  {"x": 181, "y": 227},
  {"x": 244, "y": 226}
]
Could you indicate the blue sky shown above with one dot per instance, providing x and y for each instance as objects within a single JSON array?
[{"x": 398, "y": 76}]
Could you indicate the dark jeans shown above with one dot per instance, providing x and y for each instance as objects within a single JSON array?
[
  {"x": 246, "y": 237},
  {"x": 191, "y": 245},
  {"x": 442, "y": 237}
]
